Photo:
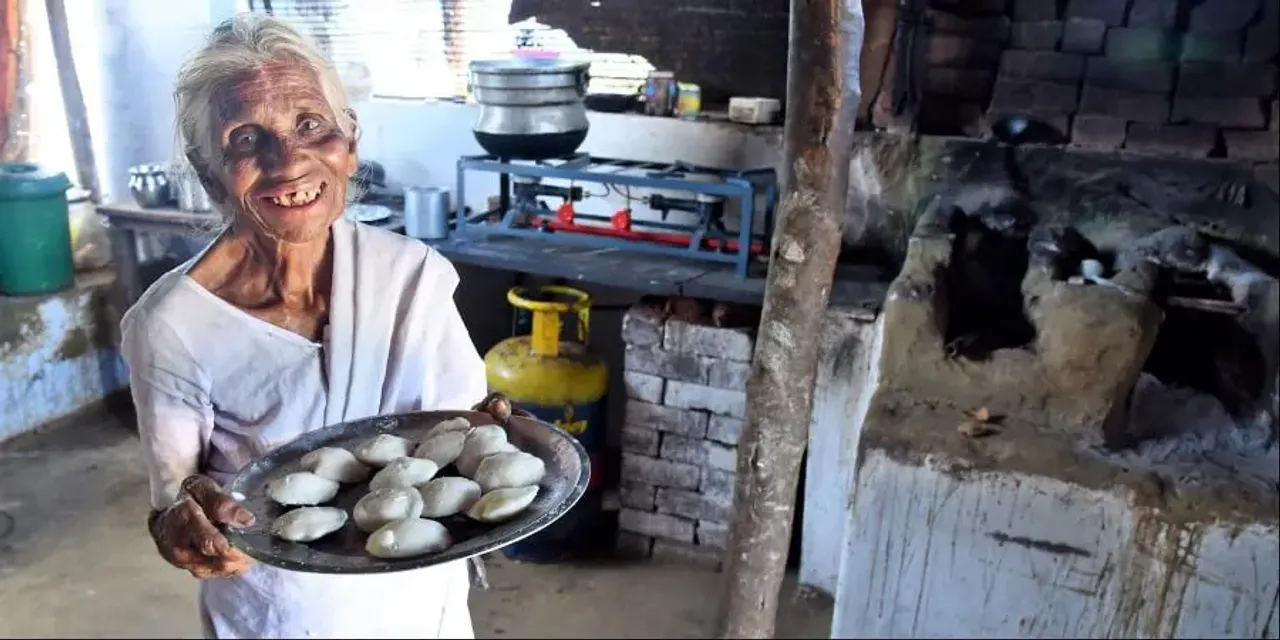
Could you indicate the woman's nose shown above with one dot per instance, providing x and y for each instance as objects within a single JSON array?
[{"x": 277, "y": 154}]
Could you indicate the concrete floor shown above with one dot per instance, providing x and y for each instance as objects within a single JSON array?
[{"x": 75, "y": 561}]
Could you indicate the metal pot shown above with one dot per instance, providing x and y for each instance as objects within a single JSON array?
[
  {"x": 530, "y": 109},
  {"x": 191, "y": 194}
]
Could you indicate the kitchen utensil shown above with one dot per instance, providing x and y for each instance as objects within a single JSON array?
[
  {"x": 530, "y": 108},
  {"x": 149, "y": 186},
  {"x": 688, "y": 100},
  {"x": 342, "y": 552},
  {"x": 426, "y": 213},
  {"x": 660, "y": 93},
  {"x": 360, "y": 212},
  {"x": 191, "y": 194},
  {"x": 135, "y": 184}
]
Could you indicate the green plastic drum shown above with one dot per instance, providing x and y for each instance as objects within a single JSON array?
[{"x": 35, "y": 233}]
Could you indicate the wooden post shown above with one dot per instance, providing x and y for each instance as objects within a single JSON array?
[
  {"x": 73, "y": 100},
  {"x": 822, "y": 104},
  {"x": 13, "y": 104}
]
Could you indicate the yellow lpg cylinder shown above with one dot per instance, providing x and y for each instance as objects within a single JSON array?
[{"x": 563, "y": 383}]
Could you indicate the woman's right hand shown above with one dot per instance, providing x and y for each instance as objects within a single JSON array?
[{"x": 187, "y": 536}]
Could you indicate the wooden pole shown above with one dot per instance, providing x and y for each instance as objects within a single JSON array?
[
  {"x": 73, "y": 100},
  {"x": 12, "y": 102},
  {"x": 822, "y": 105}
]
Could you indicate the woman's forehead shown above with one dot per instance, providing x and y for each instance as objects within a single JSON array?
[{"x": 274, "y": 89}]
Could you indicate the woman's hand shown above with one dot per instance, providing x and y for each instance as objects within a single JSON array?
[
  {"x": 187, "y": 535},
  {"x": 499, "y": 406}
]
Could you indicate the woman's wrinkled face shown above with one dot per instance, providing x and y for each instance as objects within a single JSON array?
[{"x": 284, "y": 161}]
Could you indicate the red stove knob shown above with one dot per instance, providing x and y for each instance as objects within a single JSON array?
[
  {"x": 622, "y": 220},
  {"x": 564, "y": 213}
]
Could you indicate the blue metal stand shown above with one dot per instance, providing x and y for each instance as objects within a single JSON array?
[{"x": 727, "y": 187}]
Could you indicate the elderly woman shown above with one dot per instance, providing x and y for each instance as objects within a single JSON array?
[{"x": 292, "y": 319}]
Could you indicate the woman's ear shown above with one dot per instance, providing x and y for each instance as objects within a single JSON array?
[
  {"x": 353, "y": 142},
  {"x": 212, "y": 187}
]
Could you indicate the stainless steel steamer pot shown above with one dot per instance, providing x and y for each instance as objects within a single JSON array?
[{"x": 530, "y": 109}]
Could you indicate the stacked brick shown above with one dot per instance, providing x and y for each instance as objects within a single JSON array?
[
  {"x": 960, "y": 56},
  {"x": 1166, "y": 77},
  {"x": 1129, "y": 75},
  {"x": 686, "y": 397}
]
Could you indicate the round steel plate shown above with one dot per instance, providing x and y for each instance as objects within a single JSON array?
[{"x": 343, "y": 551}]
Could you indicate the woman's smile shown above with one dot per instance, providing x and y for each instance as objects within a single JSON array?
[
  {"x": 297, "y": 197},
  {"x": 292, "y": 201}
]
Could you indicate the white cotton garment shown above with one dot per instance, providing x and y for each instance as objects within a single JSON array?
[{"x": 216, "y": 388}]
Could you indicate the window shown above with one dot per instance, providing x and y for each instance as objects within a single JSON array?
[
  {"x": 403, "y": 48},
  {"x": 422, "y": 48}
]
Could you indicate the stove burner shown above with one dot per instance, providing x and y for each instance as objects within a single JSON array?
[{"x": 694, "y": 206}]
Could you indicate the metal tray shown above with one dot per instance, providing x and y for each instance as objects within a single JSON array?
[{"x": 342, "y": 552}]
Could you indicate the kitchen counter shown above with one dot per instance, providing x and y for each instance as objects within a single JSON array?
[{"x": 645, "y": 273}]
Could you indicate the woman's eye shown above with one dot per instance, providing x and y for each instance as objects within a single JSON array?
[
  {"x": 309, "y": 124},
  {"x": 245, "y": 140}
]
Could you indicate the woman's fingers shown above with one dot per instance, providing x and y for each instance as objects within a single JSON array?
[
  {"x": 206, "y": 538},
  {"x": 217, "y": 505},
  {"x": 497, "y": 405},
  {"x": 192, "y": 540},
  {"x": 188, "y": 536}
]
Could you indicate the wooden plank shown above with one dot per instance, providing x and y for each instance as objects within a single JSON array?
[
  {"x": 73, "y": 100},
  {"x": 853, "y": 286},
  {"x": 181, "y": 222},
  {"x": 627, "y": 270}
]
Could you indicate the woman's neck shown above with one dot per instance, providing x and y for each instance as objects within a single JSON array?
[
  {"x": 298, "y": 273},
  {"x": 254, "y": 271}
]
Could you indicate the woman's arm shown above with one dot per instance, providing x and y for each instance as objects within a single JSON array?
[
  {"x": 170, "y": 394},
  {"x": 175, "y": 421}
]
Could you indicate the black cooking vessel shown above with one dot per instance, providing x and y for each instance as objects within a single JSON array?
[{"x": 530, "y": 109}]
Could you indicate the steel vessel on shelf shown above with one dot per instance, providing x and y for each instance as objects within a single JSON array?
[{"x": 530, "y": 108}]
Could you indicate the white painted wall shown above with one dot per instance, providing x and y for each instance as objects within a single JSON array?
[
  {"x": 847, "y": 378},
  {"x": 39, "y": 380},
  {"x": 924, "y": 559}
]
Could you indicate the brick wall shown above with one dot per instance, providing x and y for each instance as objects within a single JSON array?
[
  {"x": 728, "y": 47},
  {"x": 1164, "y": 77},
  {"x": 686, "y": 396}
]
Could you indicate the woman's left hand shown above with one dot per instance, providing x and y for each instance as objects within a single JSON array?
[{"x": 499, "y": 406}]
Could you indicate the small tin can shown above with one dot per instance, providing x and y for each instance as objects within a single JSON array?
[
  {"x": 426, "y": 213},
  {"x": 688, "y": 101},
  {"x": 660, "y": 93}
]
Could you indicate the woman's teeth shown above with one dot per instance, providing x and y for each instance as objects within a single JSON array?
[{"x": 297, "y": 198}]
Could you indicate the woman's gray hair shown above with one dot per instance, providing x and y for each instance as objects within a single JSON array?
[{"x": 242, "y": 44}]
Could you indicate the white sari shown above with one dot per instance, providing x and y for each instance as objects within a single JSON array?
[{"x": 215, "y": 388}]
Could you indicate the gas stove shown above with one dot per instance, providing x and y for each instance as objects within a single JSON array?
[{"x": 673, "y": 209}]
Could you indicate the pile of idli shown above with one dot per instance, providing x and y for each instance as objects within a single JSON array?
[{"x": 407, "y": 497}]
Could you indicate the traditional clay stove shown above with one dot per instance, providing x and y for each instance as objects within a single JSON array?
[{"x": 1014, "y": 451}]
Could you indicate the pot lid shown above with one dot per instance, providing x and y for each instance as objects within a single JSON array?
[
  {"x": 25, "y": 181},
  {"x": 517, "y": 65}
]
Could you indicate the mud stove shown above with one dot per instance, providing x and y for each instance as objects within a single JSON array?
[{"x": 1024, "y": 444}]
